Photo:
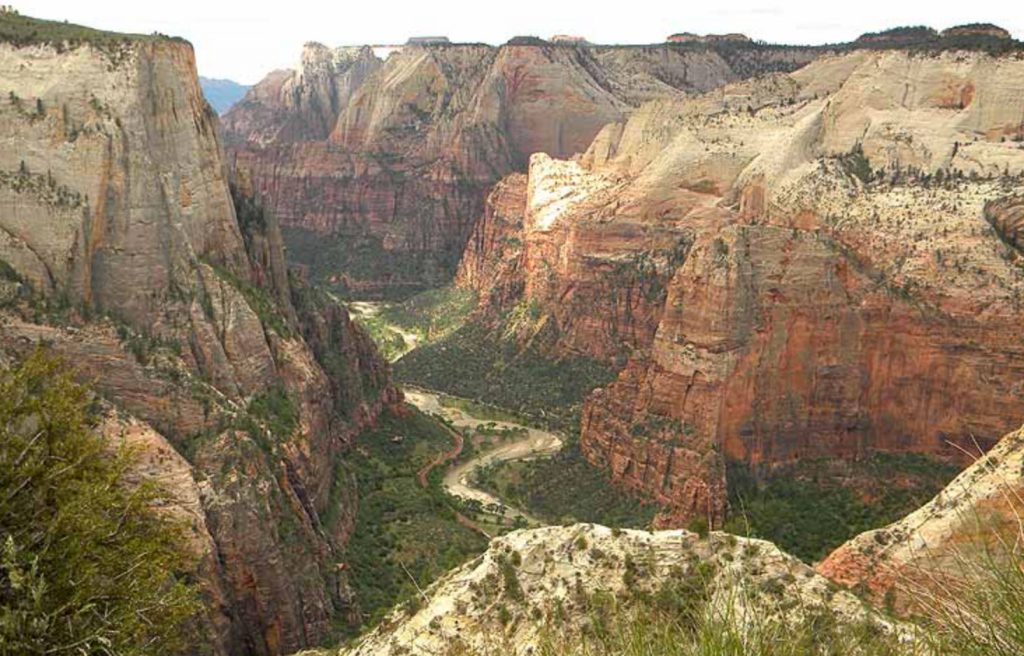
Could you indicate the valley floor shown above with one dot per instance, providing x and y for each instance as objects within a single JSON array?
[
  {"x": 471, "y": 463},
  {"x": 526, "y": 443}
]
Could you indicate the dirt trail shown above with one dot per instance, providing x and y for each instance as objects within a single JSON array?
[
  {"x": 458, "y": 480},
  {"x": 424, "y": 473},
  {"x": 424, "y": 478}
]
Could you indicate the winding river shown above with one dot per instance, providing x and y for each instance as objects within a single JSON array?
[{"x": 458, "y": 480}]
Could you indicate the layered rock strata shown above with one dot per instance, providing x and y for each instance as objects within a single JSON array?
[
  {"x": 120, "y": 240},
  {"x": 815, "y": 264},
  {"x": 400, "y": 165}
]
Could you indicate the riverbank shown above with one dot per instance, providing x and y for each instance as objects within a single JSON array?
[{"x": 459, "y": 481}]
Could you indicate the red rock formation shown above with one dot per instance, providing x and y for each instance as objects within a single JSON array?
[
  {"x": 421, "y": 140},
  {"x": 494, "y": 254},
  {"x": 808, "y": 312}
]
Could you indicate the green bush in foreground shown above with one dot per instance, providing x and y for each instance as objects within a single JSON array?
[{"x": 86, "y": 566}]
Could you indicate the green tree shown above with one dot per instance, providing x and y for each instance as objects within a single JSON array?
[{"x": 86, "y": 565}]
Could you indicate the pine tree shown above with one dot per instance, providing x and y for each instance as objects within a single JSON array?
[{"x": 86, "y": 565}]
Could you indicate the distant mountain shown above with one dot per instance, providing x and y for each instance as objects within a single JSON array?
[{"x": 222, "y": 94}]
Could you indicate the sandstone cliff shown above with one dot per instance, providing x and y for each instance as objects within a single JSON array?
[
  {"x": 820, "y": 263},
  {"x": 403, "y": 173},
  {"x": 121, "y": 249}
]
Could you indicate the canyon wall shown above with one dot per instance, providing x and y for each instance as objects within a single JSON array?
[
  {"x": 121, "y": 249},
  {"x": 813, "y": 264},
  {"x": 380, "y": 176}
]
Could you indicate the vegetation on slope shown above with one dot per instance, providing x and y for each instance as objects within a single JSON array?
[
  {"x": 681, "y": 627},
  {"x": 86, "y": 565},
  {"x": 426, "y": 317},
  {"x": 405, "y": 535},
  {"x": 983, "y": 616},
  {"x": 478, "y": 363},
  {"x": 812, "y": 507},
  {"x": 24, "y": 31},
  {"x": 565, "y": 489},
  {"x": 433, "y": 314},
  {"x": 358, "y": 267}
]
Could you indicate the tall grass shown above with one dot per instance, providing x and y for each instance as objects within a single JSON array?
[
  {"x": 973, "y": 603},
  {"x": 984, "y": 614},
  {"x": 726, "y": 628}
]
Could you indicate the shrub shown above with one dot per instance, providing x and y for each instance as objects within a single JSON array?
[{"x": 86, "y": 565}]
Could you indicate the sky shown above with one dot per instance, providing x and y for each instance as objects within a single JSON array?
[{"x": 243, "y": 41}]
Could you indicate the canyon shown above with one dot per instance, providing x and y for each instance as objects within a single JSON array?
[
  {"x": 813, "y": 264},
  {"x": 928, "y": 564},
  {"x": 378, "y": 169},
  {"x": 789, "y": 253},
  {"x": 778, "y": 254},
  {"x": 126, "y": 251}
]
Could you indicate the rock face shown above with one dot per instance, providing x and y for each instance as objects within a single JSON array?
[
  {"x": 493, "y": 256},
  {"x": 812, "y": 264},
  {"x": 1007, "y": 217},
  {"x": 120, "y": 236},
  {"x": 937, "y": 545},
  {"x": 554, "y": 571},
  {"x": 399, "y": 164},
  {"x": 302, "y": 105}
]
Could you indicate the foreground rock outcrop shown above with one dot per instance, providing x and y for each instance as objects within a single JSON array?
[
  {"x": 121, "y": 249},
  {"x": 821, "y": 263},
  {"x": 538, "y": 584},
  {"x": 972, "y": 525},
  {"x": 394, "y": 158}
]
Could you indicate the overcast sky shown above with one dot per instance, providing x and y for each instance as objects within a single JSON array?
[{"x": 245, "y": 40}]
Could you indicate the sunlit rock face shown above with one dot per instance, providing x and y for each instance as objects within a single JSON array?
[
  {"x": 117, "y": 220},
  {"x": 417, "y": 140},
  {"x": 821, "y": 263}
]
